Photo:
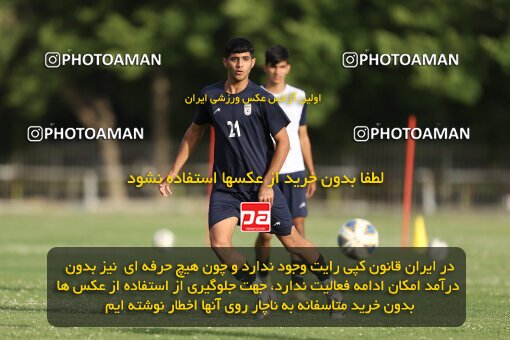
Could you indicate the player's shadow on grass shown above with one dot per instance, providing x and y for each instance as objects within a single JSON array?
[{"x": 254, "y": 332}]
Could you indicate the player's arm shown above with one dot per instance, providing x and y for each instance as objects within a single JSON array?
[
  {"x": 282, "y": 148},
  {"x": 188, "y": 144},
  {"x": 306, "y": 149}
]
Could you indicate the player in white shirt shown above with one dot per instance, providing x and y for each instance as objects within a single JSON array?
[{"x": 277, "y": 67}]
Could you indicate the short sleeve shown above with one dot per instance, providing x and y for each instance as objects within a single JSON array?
[
  {"x": 202, "y": 115},
  {"x": 302, "y": 120},
  {"x": 275, "y": 117}
]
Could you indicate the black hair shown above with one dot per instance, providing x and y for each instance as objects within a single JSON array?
[
  {"x": 276, "y": 54},
  {"x": 238, "y": 45}
]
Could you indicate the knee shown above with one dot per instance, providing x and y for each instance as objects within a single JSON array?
[
  {"x": 222, "y": 249},
  {"x": 218, "y": 246},
  {"x": 219, "y": 243}
]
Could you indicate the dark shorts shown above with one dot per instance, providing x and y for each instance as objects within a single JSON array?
[
  {"x": 225, "y": 204},
  {"x": 294, "y": 196}
]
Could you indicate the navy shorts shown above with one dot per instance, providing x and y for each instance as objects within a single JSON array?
[
  {"x": 294, "y": 196},
  {"x": 225, "y": 204}
]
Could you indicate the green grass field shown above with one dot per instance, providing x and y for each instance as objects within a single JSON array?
[{"x": 26, "y": 238}]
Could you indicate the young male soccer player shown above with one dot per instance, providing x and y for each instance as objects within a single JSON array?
[
  {"x": 277, "y": 68},
  {"x": 243, "y": 144}
]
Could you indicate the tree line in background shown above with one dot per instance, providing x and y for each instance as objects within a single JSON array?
[{"x": 190, "y": 35}]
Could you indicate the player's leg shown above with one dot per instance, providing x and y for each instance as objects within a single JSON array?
[
  {"x": 262, "y": 244},
  {"x": 262, "y": 252},
  {"x": 297, "y": 278},
  {"x": 296, "y": 201},
  {"x": 298, "y": 245},
  {"x": 223, "y": 217},
  {"x": 282, "y": 226},
  {"x": 299, "y": 223},
  {"x": 281, "y": 222},
  {"x": 220, "y": 236}
]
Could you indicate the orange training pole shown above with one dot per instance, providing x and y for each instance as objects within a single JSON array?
[{"x": 408, "y": 183}]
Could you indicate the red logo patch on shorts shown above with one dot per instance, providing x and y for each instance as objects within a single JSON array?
[{"x": 256, "y": 216}]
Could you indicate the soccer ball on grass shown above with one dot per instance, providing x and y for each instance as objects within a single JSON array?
[
  {"x": 358, "y": 238},
  {"x": 163, "y": 238}
]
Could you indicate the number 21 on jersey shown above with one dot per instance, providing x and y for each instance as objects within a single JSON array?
[{"x": 234, "y": 129}]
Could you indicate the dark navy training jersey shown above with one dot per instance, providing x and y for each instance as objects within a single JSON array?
[{"x": 243, "y": 132}]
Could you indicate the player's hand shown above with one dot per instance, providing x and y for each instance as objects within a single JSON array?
[
  {"x": 266, "y": 194},
  {"x": 164, "y": 189},
  {"x": 310, "y": 189}
]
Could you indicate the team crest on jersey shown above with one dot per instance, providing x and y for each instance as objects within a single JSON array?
[{"x": 247, "y": 109}]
